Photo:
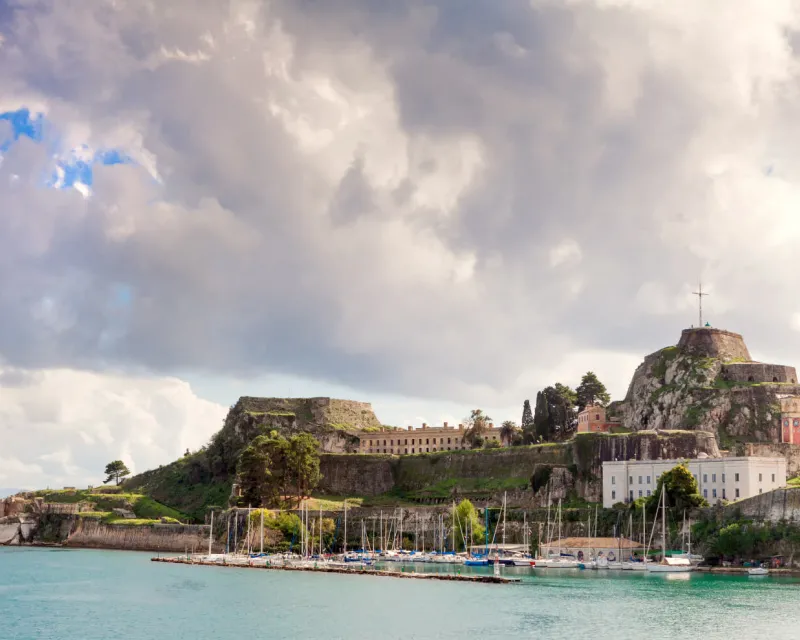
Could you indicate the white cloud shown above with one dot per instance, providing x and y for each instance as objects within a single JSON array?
[{"x": 60, "y": 427}]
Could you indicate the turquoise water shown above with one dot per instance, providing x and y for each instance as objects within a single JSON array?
[{"x": 101, "y": 595}]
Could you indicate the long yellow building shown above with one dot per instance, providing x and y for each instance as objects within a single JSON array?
[{"x": 426, "y": 439}]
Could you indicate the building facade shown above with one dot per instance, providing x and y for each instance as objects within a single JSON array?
[
  {"x": 593, "y": 420},
  {"x": 717, "y": 478},
  {"x": 426, "y": 439},
  {"x": 614, "y": 549},
  {"x": 790, "y": 419}
]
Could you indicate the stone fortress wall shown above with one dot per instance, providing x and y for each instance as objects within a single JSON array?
[
  {"x": 759, "y": 372},
  {"x": 714, "y": 343}
]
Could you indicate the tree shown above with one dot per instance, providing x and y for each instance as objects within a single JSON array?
[
  {"x": 554, "y": 416},
  {"x": 465, "y": 520},
  {"x": 477, "y": 425},
  {"x": 681, "y": 488},
  {"x": 261, "y": 470},
  {"x": 507, "y": 432},
  {"x": 116, "y": 470},
  {"x": 591, "y": 392},
  {"x": 272, "y": 467},
  {"x": 303, "y": 463},
  {"x": 528, "y": 431}
]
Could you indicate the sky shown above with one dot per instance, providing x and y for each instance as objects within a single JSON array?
[{"x": 432, "y": 206}]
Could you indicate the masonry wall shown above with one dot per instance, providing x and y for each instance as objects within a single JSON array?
[
  {"x": 759, "y": 372},
  {"x": 714, "y": 343}
]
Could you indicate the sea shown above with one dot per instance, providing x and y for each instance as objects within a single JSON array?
[{"x": 70, "y": 594}]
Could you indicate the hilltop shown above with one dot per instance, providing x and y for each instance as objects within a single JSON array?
[{"x": 708, "y": 382}]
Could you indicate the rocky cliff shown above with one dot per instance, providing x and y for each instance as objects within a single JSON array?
[
  {"x": 708, "y": 382},
  {"x": 333, "y": 422}
]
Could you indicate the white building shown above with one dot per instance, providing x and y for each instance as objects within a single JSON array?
[{"x": 717, "y": 478}]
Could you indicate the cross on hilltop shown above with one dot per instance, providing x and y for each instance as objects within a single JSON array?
[{"x": 700, "y": 293}]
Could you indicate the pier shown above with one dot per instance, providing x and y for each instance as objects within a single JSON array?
[{"x": 485, "y": 579}]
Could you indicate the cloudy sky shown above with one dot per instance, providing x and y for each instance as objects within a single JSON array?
[{"x": 429, "y": 205}]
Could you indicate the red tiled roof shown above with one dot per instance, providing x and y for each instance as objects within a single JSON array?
[{"x": 595, "y": 543}]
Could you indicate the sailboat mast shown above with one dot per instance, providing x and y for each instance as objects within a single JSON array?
[
  {"x": 320, "y": 531},
  {"x": 210, "y": 533},
  {"x": 559, "y": 527},
  {"x": 664, "y": 523},
  {"x": 261, "y": 537},
  {"x": 504, "y": 520},
  {"x": 228, "y": 536},
  {"x": 345, "y": 527}
]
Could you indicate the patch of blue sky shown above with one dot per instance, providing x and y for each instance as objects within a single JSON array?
[{"x": 73, "y": 168}]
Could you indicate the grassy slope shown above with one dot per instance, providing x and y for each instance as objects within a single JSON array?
[
  {"x": 174, "y": 485},
  {"x": 145, "y": 507}
]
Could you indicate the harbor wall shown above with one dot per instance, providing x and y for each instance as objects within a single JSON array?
[
  {"x": 154, "y": 537},
  {"x": 69, "y": 530}
]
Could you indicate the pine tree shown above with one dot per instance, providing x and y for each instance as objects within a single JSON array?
[
  {"x": 528, "y": 431},
  {"x": 591, "y": 392}
]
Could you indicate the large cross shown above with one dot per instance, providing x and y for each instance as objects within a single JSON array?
[{"x": 699, "y": 293}]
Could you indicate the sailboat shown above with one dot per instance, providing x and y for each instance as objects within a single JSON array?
[
  {"x": 559, "y": 562},
  {"x": 667, "y": 565},
  {"x": 631, "y": 564}
]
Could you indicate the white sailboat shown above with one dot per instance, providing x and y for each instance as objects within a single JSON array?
[{"x": 667, "y": 565}]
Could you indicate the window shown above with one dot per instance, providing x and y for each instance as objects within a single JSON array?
[
  {"x": 759, "y": 477},
  {"x": 613, "y": 480},
  {"x": 648, "y": 493},
  {"x": 427, "y": 450},
  {"x": 705, "y": 478},
  {"x": 723, "y": 493},
  {"x": 737, "y": 493},
  {"x": 412, "y": 440},
  {"x": 631, "y": 495},
  {"x": 723, "y": 478},
  {"x": 713, "y": 477},
  {"x": 773, "y": 477},
  {"x": 736, "y": 478},
  {"x": 713, "y": 493},
  {"x": 406, "y": 451},
  {"x": 640, "y": 479},
  {"x": 630, "y": 479},
  {"x": 384, "y": 443},
  {"x": 760, "y": 490},
  {"x": 640, "y": 495},
  {"x": 441, "y": 440},
  {"x": 412, "y": 450},
  {"x": 613, "y": 495},
  {"x": 596, "y": 416},
  {"x": 448, "y": 441},
  {"x": 391, "y": 442},
  {"x": 434, "y": 449},
  {"x": 705, "y": 494},
  {"x": 427, "y": 440}
]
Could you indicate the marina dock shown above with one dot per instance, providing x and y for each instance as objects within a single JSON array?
[{"x": 485, "y": 579}]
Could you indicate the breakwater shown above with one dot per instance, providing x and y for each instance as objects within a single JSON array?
[{"x": 322, "y": 569}]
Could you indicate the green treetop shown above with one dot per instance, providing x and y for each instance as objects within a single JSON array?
[
  {"x": 591, "y": 392},
  {"x": 116, "y": 470}
]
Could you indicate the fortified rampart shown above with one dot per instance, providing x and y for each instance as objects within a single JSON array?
[
  {"x": 708, "y": 342},
  {"x": 758, "y": 372},
  {"x": 154, "y": 537},
  {"x": 774, "y": 506},
  {"x": 575, "y": 467}
]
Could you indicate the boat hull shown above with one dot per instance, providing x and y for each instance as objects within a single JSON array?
[{"x": 666, "y": 568}]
